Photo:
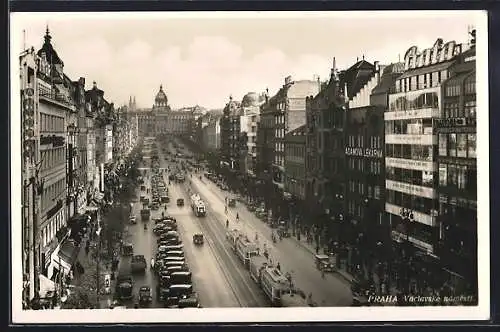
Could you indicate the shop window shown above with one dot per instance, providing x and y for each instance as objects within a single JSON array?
[
  {"x": 443, "y": 144},
  {"x": 470, "y": 109},
  {"x": 452, "y": 145},
  {"x": 427, "y": 179},
  {"x": 443, "y": 176},
  {"x": 452, "y": 175},
  {"x": 461, "y": 176},
  {"x": 471, "y": 145},
  {"x": 462, "y": 145}
]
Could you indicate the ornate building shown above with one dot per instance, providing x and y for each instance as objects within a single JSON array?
[{"x": 161, "y": 119}]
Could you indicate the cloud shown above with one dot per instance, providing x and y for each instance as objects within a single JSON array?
[{"x": 134, "y": 57}]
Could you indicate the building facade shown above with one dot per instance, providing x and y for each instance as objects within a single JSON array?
[
  {"x": 280, "y": 114},
  {"x": 457, "y": 167},
  {"x": 249, "y": 120},
  {"x": 364, "y": 174},
  {"x": 211, "y": 134},
  {"x": 295, "y": 163},
  {"x": 325, "y": 148},
  {"x": 411, "y": 147},
  {"x": 230, "y": 135}
]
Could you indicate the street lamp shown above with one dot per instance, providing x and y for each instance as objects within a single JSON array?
[{"x": 98, "y": 233}]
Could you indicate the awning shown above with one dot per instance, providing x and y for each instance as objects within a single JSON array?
[
  {"x": 67, "y": 255},
  {"x": 46, "y": 285}
]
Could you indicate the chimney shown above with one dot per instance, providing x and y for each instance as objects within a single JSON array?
[{"x": 94, "y": 85}]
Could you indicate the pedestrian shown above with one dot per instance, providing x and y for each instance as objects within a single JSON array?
[
  {"x": 225, "y": 209},
  {"x": 317, "y": 249},
  {"x": 237, "y": 216},
  {"x": 227, "y": 223},
  {"x": 278, "y": 266},
  {"x": 152, "y": 263}
]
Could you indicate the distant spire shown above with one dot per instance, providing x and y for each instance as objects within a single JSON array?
[
  {"x": 363, "y": 57},
  {"x": 47, "y": 35},
  {"x": 161, "y": 87}
]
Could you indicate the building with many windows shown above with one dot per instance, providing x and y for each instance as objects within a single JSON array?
[
  {"x": 457, "y": 167},
  {"x": 280, "y": 114},
  {"x": 230, "y": 135},
  {"x": 249, "y": 120},
  {"x": 411, "y": 147},
  {"x": 325, "y": 149}
]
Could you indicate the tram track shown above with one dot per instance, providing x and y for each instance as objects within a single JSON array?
[{"x": 245, "y": 290}]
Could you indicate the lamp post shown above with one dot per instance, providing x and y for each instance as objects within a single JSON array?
[
  {"x": 407, "y": 218},
  {"x": 98, "y": 233}
]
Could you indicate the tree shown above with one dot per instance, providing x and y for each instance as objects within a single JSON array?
[{"x": 113, "y": 226}]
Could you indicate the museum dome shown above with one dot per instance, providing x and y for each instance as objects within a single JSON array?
[
  {"x": 161, "y": 98},
  {"x": 250, "y": 99}
]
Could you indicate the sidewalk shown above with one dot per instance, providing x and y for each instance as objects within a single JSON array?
[{"x": 89, "y": 265}]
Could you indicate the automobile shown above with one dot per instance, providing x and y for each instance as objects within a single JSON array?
[
  {"x": 178, "y": 292},
  {"x": 232, "y": 202},
  {"x": 173, "y": 259},
  {"x": 133, "y": 219},
  {"x": 190, "y": 302},
  {"x": 161, "y": 229},
  {"x": 127, "y": 249},
  {"x": 174, "y": 253},
  {"x": 155, "y": 206},
  {"x": 198, "y": 239},
  {"x": 171, "y": 177},
  {"x": 124, "y": 287},
  {"x": 180, "y": 201},
  {"x": 145, "y": 295},
  {"x": 170, "y": 248},
  {"x": 162, "y": 293},
  {"x": 138, "y": 263},
  {"x": 323, "y": 263},
  {"x": 181, "y": 278}
]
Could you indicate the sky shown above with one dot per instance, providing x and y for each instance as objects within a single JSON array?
[{"x": 203, "y": 58}]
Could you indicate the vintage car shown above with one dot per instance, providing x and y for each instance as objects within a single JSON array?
[
  {"x": 127, "y": 249},
  {"x": 323, "y": 263},
  {"x": 145, "y": 295},
  {"x": 138, "y": 263},
  {"x": 180, "y": 201},
  {"x": 124, "y": 287},
  {"x": 198, "y": 239},
  {"x": 231, "y": 202},
  {"x": 178, "y": 292},
  {"x": 133, "y": 219}
]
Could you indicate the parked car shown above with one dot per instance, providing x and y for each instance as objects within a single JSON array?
[
  {"x": 180, "y": 201},
  {"x": 133, "y": 219}
]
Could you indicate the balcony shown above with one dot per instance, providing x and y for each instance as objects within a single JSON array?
[{"x": 49, "y": 94}]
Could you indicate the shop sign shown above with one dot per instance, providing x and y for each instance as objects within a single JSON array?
[
  {"x": 423, "y": 139},
  {"x": 423, "y": 113},
  {"x": 360, "y": 152},
  {"x": 455, "y": 122},
  {"x": 410, "y": 189},
  {"x": 417, "y": 165}
]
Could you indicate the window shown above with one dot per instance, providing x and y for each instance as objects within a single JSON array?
[
  {"x": 452, "y": 145},
  {"x": 443, "y": 176},
  {"x": 462, "y": 145},
  {"x": 471, "y": 145},
  {"x": 452, "y": 175},
  {"x": 461, "y": 176},
  {"x": 443, "y": 143},
  {"x": 376, "y": 193},
  {"x": 470, "y": 109}
]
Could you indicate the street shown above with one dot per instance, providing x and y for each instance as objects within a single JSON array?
[
  {"x": 332, "y": 290},
  {"x": 219, "y": 278}
]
